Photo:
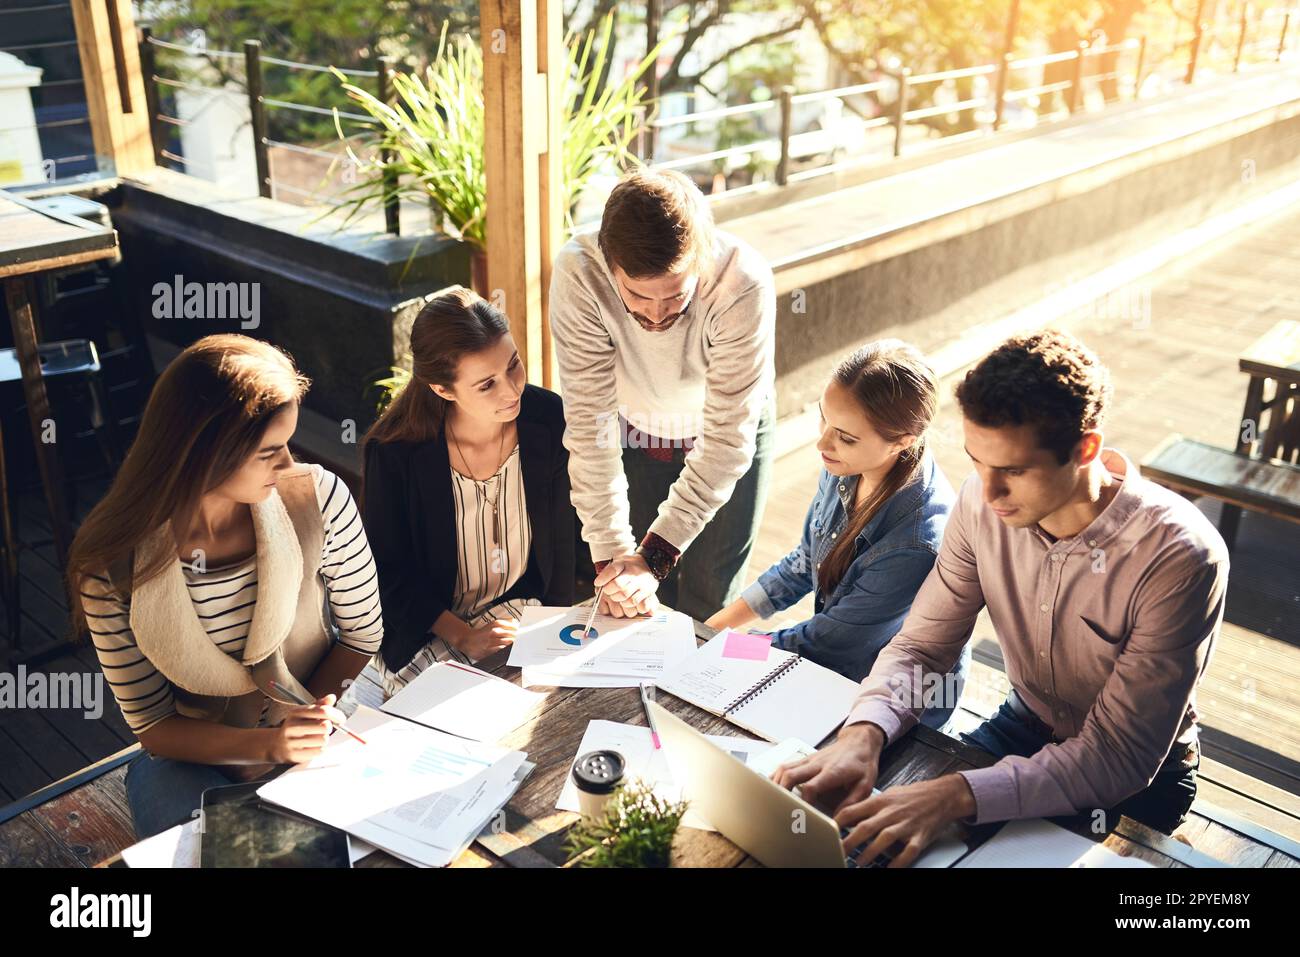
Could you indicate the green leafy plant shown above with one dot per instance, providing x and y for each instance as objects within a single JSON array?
[
  {"x": 636, "y": 831},
  {"x": 386, "y": 389},
  {"x": 433, "y": 132}
]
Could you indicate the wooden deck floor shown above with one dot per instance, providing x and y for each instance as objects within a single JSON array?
[
  {"x": 42, "y": 745},
  {"x": 1174, "y": 371}
]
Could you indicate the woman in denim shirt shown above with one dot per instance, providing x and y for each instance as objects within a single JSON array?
[{"x": 874, "y": 527}]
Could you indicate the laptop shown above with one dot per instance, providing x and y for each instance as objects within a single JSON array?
[{"x": 776, "y": 827}]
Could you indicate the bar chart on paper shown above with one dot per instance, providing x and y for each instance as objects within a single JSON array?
[{"x": 436, "y": 761}]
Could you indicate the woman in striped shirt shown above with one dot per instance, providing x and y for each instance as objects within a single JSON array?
[
  {"x": 205, "y": 574},
  {"x": 466, "y": 493}
]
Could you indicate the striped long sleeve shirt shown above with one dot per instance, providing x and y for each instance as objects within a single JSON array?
[{"x": 224, "y": 598}]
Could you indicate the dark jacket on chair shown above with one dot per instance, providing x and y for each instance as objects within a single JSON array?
[{"x": 409, "y": 516}]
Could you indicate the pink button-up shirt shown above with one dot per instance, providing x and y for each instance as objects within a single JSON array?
[{"x": 1105, "y": 636}]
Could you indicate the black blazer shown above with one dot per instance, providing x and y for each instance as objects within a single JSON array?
[{"x": 409, "y": 514}]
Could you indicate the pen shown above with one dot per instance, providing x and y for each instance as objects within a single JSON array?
[
  {"x": 595, "y": 606},
  {"x": 645, "y": 701},
  {"x": 297, "y": 699}
]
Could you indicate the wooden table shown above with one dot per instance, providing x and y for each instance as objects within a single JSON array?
[
  {"x": 90, "y": 822},
  {"x": 32, "y": 241},
  {"x": 1274, "y": 357}
]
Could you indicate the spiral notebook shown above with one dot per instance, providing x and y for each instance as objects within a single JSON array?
[{"x": 776, "y": 696}]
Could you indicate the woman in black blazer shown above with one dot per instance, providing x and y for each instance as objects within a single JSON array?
[{"x": 466, "y": 493}]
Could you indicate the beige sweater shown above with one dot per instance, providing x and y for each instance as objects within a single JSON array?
[{"x": 708, "y": 377}]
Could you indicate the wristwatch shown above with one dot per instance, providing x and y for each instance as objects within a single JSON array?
[{"x": 660, "y": 555}]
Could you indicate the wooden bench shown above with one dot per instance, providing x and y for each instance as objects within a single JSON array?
[{"x": 1185, "y": 465}]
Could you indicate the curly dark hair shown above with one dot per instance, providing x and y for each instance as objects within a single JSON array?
[{"x": 1048, "y": 380}]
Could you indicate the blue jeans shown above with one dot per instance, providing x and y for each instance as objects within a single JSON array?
[
  {"x": 710, "y": 573},
  {"x": 1162, "y": 805},
  {"x": 162, "y": 792}
]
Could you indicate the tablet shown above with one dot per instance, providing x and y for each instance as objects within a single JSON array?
[{"x": 239, "y": 829}]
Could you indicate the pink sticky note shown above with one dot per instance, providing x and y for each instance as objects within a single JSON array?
[{"x": 746, "y": 647}]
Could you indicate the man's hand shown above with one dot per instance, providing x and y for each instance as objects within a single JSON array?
[
  {"x": 840, "y": 774},
  {"x": 630, "y": 587},
  {"x": 907, "y": 817}
]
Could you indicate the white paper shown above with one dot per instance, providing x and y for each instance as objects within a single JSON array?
[
  {"x": 943, "y": 852},
  {"x": 414, "y": 791},
  {"x": 464, "y": 701},
  {"x": 357, "y": 849},
  {"x": 650, "y": 765},
  {"x": 365, "y": 690},
  {"x": 550, "y": 639},
  {"x": 175, "y": 847},
  {"x": 783, "y": 752},
  {"x": 537, "y": 678},
  {"x": 1100, "y": 856},
  {"x": 1036, "y": 842}
]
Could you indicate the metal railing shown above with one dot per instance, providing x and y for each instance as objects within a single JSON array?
[
  {"x": 52, "y": 161},
  {"x": 901, "y": 82},
  {"x": 258, "y": 105},
  {"x": 1011, "y": 80}
]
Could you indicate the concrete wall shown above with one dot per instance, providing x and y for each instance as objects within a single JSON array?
[{"x": 341, "y": 306}]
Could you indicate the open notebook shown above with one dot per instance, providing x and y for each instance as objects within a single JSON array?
[{"x": 776, "y": 695}]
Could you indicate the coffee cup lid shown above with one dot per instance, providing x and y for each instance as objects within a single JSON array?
[{"x": 599, "y": 772}]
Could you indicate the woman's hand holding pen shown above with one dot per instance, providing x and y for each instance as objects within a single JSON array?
[{"x": 304, "y": 731}]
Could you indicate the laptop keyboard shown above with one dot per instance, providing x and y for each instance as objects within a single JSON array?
[{"x": 854, "y": 856}]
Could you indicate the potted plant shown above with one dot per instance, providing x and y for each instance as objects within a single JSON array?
[
  {"x": 636, "y": 830},
  {"x": 433, "y": 133}
]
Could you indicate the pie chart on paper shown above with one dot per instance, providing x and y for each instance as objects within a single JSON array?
[{"x": 572, "y": 635}]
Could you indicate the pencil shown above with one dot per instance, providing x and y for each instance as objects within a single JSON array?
[
  {"x": 595, "y": 606},
  {"x": 649, "y": 716},
  {"x": 297, "y": 699}
]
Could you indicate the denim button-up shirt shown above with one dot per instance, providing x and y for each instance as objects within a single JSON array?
[{"x": 894, "y": 554}]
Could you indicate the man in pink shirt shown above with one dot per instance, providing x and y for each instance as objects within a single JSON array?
[{"x": 1106, "y": 592}]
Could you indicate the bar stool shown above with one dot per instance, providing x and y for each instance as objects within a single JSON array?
[{"x": 71, "y": 357}]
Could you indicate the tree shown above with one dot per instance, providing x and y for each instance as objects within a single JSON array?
[
  {"x": 865, "y": 36},
  {"x": 342, "y": 33}
]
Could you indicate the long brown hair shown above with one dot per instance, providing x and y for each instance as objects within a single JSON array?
[
  {"x": 899, "y": 394},
  {"x": 206, "y": 415},
  {"x": 455, "y": 323}
]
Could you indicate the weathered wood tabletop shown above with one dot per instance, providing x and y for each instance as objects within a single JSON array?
[
  {"x": 91, "y": 824},
  {"x": 34, "y": 239}
]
